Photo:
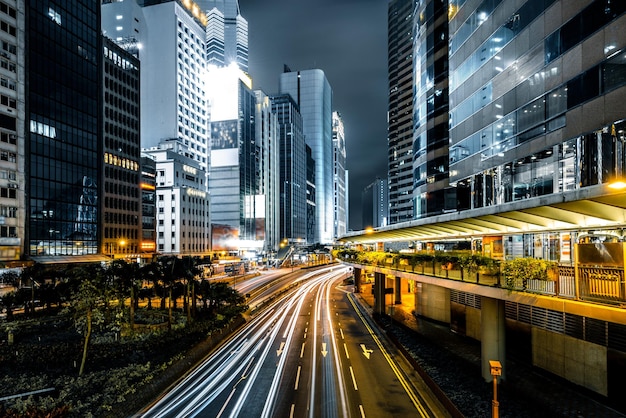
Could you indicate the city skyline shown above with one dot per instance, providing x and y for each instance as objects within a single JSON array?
[{"x": 348, "y": 41}]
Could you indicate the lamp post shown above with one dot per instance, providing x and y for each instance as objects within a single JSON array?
[{"x": 496, "y": 370}]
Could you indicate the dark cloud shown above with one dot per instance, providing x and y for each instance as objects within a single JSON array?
[{"x": 347, "y": 39}]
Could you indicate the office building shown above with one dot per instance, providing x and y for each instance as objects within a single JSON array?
[
  {"x": 375, "y": 204},
  {"x": 182, "y": 203},
  {"x": 293, "y": 169},
  {"x": 12, "y": 135},
  {"x": 266, "y": 134},
  {"x": 340, "y": 178},
  {"x": 312, "y": 92},
  {"x": 235, "y": 179},
  {"x": 400, "y": 110},
  {"x": 226, "y": 33},
  {"x": 535, "y": 106},
  {"x": 431, "y": 193},
  {"x": 311, "y": 197},
  {"x": 123, "y": 22},
  {"x": 120, "y": 199},
  {"x": 64, "y": 146},
  {"x": 148, "y": 207},
  {"x": 173, "y": 65}
]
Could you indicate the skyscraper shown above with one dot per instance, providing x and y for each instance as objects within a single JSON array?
[
  {"x": 292, "y": 168},
  {"x": 173, "y": 92},
  {"x": 235, "y": 179},
  {"x": 536, "y": 114},
  {"x": 64, "y": 55},
  {"x": 340, "y": 178},
  {"x": 431, "y": 193},
  {"x": 375, "y": 204},
  {"x": 12, "y": 135},
  {"x": 120, "y": 197},
  {"x": 266, "y": 135},
  {"x": 312, "y": 92},
  {"x": 226, "y": 33},
  {"x": 400, "y": 112}
]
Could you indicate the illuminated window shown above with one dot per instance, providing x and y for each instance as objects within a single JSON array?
[{"x": 56, "y": 17}]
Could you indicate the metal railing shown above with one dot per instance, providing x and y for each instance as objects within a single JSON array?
[{"x": 598, "y": 284}]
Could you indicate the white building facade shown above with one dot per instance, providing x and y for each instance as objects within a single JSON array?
[{"x": 182, "y": 203}]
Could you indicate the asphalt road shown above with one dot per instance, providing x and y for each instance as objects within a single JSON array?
[{"x": 310, "y": 352}]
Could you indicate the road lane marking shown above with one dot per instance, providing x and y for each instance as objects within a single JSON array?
[
  {"x": 353, "y": 379},
  {"x": 293, "y": 407},
  {"x": 297, "y": 378},
  {"x": 345, "y": 347},
  {"x": 362, "y": 411},
  {"x": 302, "y": 350},
  {"x": 341, "y": 332},
  {"x": 280, "y": 350},
  {"x": 396, "y": 370},
  {"x": 324, "y": 351},
  {"x": 366, "y": 352}
]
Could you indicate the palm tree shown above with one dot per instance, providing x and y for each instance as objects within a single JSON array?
[{"x": 149, "y": 273}]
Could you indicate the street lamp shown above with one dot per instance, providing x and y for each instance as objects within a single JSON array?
[{"x": 496, "y": 370}]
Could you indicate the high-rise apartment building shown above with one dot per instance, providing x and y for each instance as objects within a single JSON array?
[
  {"x": 293, "y": 189},
  {"x": 431, "y": 193},
  {"x": 312, "y": 92},
  {"x": 64, "y": 146},
  {"x": 226, "y": 33},
  {"x": 12, "y": 135},
  {"x": 340, "y": 178},
  {"x": 120, "y": 199},
  {"x": 400, "y": 111}
]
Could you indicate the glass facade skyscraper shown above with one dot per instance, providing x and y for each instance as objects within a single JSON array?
[
  {"x": 312, "y": 92},
  {"x": 400, "y": 110},
  {"x": 292, "y": 168},
  {"x": 63, "y": 118},
  {"x": 431, "y": 193},
  {"x": 226, "y": 33},
  {"x": 536, "y": 94}
]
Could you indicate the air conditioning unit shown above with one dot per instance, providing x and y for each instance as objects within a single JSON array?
[
  {"x": 14, "y": 186},
  {"x": 13, "y": 136}
]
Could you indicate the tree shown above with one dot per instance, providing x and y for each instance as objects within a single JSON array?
[
  {"x": 126, "y": 278},
  {"x": 88, "y": 303},
  {"x": 216, "y": 296},
  {"x": 9, "y": 301}
]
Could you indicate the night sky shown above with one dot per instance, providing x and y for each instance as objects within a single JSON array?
[{"x": 347, "y": 39}]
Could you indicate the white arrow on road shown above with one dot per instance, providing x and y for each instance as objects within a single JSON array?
[
  {"x": 324, "y": 352},
  {"x": 280, "y": 350},
  {"x": 366, "y": 352}
]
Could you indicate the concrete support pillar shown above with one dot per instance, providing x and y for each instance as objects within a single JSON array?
[
  {"x": 357, "y": 280},
  {"x": 379, "y": 293},
  {"x": 397, "y": 290},
  {"x": 493, "y": 339}
]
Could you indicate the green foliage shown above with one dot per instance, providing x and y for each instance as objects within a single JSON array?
[{"x": 523, "y": 269}]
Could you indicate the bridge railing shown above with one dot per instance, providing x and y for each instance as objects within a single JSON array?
[{"x": 598, "y": 284}]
